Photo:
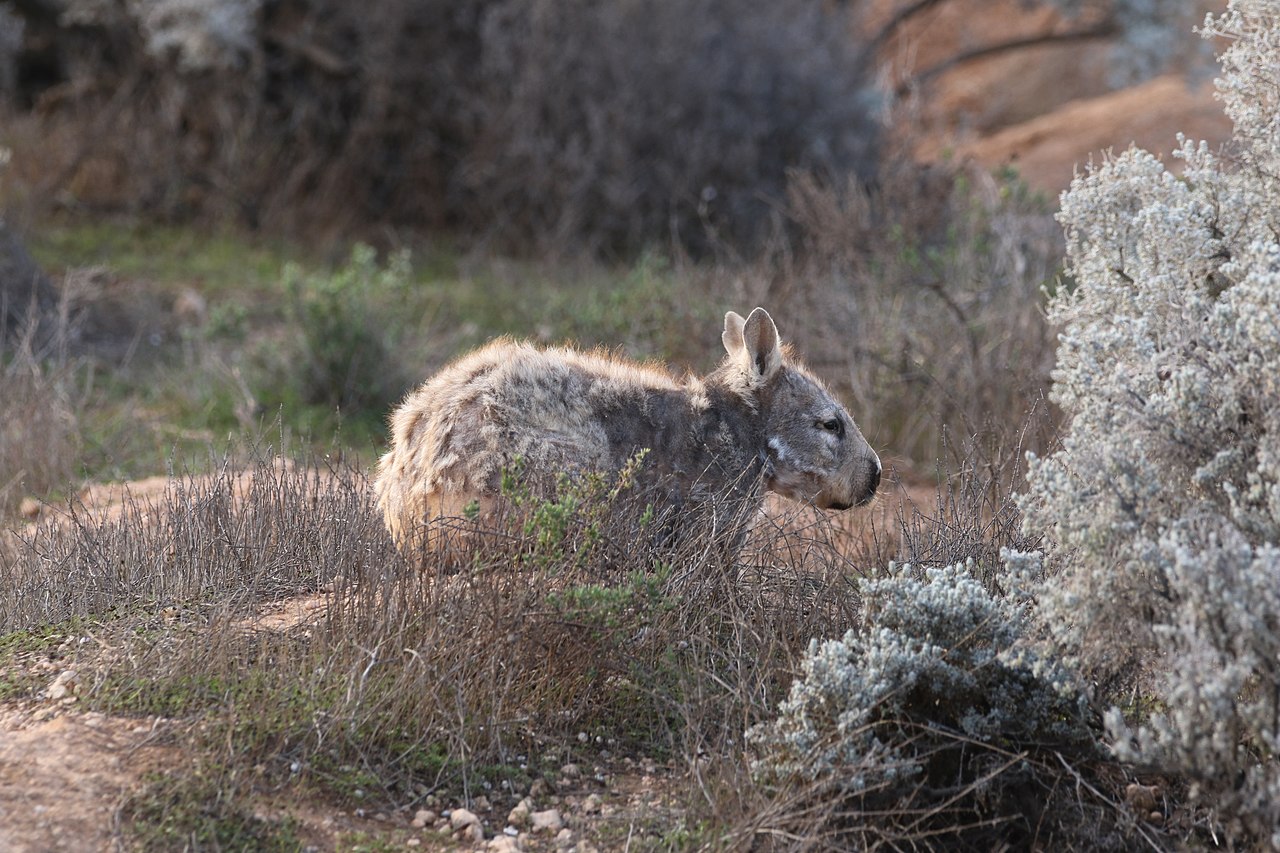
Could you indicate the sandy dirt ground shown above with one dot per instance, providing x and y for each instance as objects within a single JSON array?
[{"x": 63, "y": 775}]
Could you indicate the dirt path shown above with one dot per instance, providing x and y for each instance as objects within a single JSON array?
[{"x": 63, "y": 775}]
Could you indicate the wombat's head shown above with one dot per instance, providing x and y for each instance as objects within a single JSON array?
[{"x": 814, "y": 451}]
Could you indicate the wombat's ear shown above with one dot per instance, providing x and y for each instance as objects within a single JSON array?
[
  {"x": 732, "y": 335},
  {"x": 760, "y": 340}
]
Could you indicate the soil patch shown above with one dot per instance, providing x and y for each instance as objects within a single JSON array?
[{"x": 64, "y": 774}]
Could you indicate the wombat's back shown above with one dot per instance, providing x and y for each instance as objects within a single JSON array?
[{"x": 556, "y": 409}]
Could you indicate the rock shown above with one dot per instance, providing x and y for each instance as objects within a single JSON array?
[
  {"x": 564, "y": 839},
  {"x": 1047, "y": 147},
  {"x": 64, "y": 686},
  {"x": 1142, "y": 798},
  {"x": 592, "y": 804},
  {"x": 27, "y": 297},
  {"x": 541, "y": 788},
  {"x": 519, "y": 816},
  {"x": 473, "y": 832},
  {"x": 482, "y": 804},
  {"x": 462, "y": 818},
  {"x": 423, "y": 818},
  {"x": 1155, "y": 818},
  {"x": 571, "y": 771},
  {"x": 413, "y": 842},
  {"x": 548, "y": 821},
  {"x": 504, "y": 844}
]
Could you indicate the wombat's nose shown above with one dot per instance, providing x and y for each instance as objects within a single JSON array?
[{"x": 873, "y": 482}]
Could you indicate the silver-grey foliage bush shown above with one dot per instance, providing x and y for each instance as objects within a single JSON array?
[
  {"x": 1164, "y": 500},
  {"x": 926, "y": 700},
  {"x": 200, "y": 35}
]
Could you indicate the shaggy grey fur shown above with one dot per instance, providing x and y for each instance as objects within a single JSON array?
[{"x": 759, "y": 417}]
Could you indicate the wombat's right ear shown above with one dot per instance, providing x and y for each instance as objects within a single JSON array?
[
  {"x": 761, "y": 344},
  {"x": 732, "y": 336}
]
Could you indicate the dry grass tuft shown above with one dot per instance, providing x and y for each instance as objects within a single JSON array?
[
  {"x": 569, "y": 616},
  {"x": 40, "y": 435},
  {"x": 571, "y": 625}
]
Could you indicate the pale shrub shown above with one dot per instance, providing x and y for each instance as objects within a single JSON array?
[
  {"x": 1164, "y": 500},
  {"x": 201, "y": 35},
  {"x": 925, "y": 701}
]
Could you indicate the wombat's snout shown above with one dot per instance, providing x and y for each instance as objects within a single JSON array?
[
  {"x": 873, "y": 482},
  {"x": 870, "y": 484}
]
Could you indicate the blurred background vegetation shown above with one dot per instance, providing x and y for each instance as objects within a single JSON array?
[{"x": 248, "y": 210}]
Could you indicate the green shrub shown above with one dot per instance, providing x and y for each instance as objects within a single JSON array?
[{"x": 349, "y": 323}]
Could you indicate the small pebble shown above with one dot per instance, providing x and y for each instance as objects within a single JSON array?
[
  {"x": 504, "y": 844},
  {"x": 548, "y": 821}
]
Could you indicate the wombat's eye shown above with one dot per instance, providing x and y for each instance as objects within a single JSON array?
[{"x": 832, "y": 425}]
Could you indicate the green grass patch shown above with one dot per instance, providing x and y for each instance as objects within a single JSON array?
[
  {"x": 218, "y": 262},
  {"x": 324, "y": 343},
  {"x": 202, "y": 811},
  {"x": 19, "y": 649}
]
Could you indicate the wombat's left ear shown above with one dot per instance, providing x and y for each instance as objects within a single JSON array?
[
  {"x": 732, "y": 335},
  {"x": 760, "y": 340}
]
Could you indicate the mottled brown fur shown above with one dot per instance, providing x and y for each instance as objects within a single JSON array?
[{"x": 760, "y": 414}]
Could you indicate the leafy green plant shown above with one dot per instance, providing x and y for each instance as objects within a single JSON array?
[
  {"x": 565, "y": 525},
  {"x": 349, "y": 324}
]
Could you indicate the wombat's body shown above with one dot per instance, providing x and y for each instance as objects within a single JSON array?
[{"x": 756, "y": 417}]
